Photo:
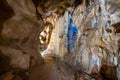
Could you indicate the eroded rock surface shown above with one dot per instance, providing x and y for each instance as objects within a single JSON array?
[
  {"x": 98, "y": 37},
  {"x": 21, "y": 22},
  {"x": 19, "y": 35}
]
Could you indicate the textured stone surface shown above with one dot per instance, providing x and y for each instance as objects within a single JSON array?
[
  {"x": 21, "y": 23},
  {"x": 18, "y": 59},
  {"x": 20, "y": 26},
  {"x": 19, "y": 36},
  {"x": 98, "y": 37},
  {"x": 108, "y": 72},
  {"x": 21, "y": 32},
  {"x": 94, "y": 37}
]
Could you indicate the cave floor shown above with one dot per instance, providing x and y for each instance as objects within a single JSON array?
[
  {"x": 47, "y": 71},
  {"x": 55, "y": 70},
  {"x": 51, "y": 70}
]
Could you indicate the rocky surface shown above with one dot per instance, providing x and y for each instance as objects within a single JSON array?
[
  {"x": 19, "y": 38},
  {"x": 21, "y": 22},
  {"x": 98, "y": 37}
]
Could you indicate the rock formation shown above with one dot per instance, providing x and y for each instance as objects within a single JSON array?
[
  {"x": 22, "y": 21},
  {"x": 98, "y": 38}
]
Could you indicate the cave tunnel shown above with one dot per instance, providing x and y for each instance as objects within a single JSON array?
[{"x": 59, "y": 40}]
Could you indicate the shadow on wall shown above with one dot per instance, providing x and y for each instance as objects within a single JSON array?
[
  {"x": 5, "y": 13},
  {"x": 117, "y": 27}
]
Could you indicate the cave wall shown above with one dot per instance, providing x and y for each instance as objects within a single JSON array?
[
  {"x": 98, "y": 37},
  {"x": 19, "y": 36},
  {"x": 21, "y": 22},
  {"x": 20, "y": 28}
]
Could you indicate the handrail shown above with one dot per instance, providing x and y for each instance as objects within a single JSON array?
[{"x": 78, "y": 70}]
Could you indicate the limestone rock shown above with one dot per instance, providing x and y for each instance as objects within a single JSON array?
[
  {"x": 98, "y": 27},
  {"x": 18, "y": 59},
  {"x": 19, "y": 37},
  {"x": 19, "y": 31}
]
